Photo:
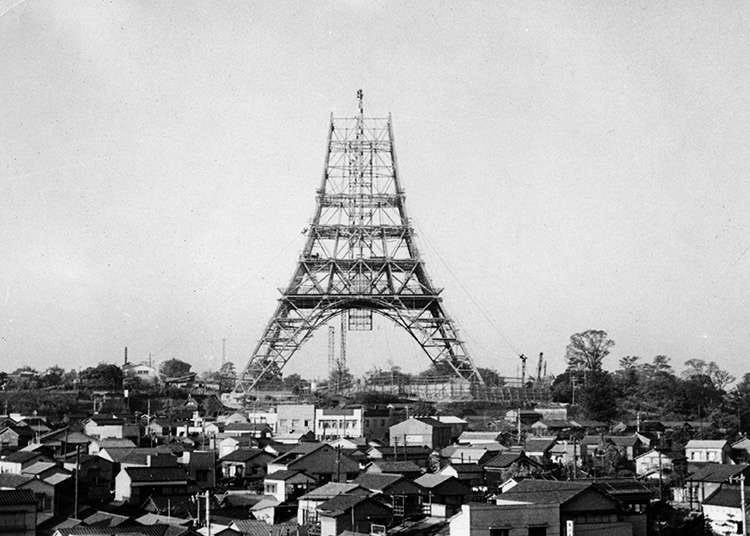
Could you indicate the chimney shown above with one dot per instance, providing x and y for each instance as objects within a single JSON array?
[{"x": 126, "y": 355}]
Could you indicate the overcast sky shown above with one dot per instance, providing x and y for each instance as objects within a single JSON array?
[{"x": 568, "y": 166}]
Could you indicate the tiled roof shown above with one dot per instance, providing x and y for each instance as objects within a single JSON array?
[
  {"x": 21, "y": 456},
  {"x": 377, "y": 481},
  {"x": 242, "y": 455},
  {"x": 252, "y": 527},
  {"x": 715, "y": 472},
  {"x": 504, "y": 459},
  {"x": 159, "y": 474},
  {"x": 340, "y": 504},
  {"x": 13, "y": 480},
  {"x": 329, "y": 490},
  {"x": 545, "y": 491},
  {"x": 105, "y": 519},
  {"x": 57, "y": 478},
  {"x": 285, "y": 475},
  {"x": 706, "y": 444},
  {"x": 13, "y": 497},
  {"x": 431, "y": 480},
  {"x": 397, "y": 467},
  {"x": 39, "y": 467},
  {"x": 728, "y": 496}
]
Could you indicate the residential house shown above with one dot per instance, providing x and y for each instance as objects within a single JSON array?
[
  {"x": 708, "y": 450},
  {"x": 400, "y": 492},
  {"x": 479, "y": 438},
  {"x": 356, "y": 513},
  {"x": 565, "y": 452},
  {"x": 425, "y": 431},
  {"x": 442, "y": 494},
  {"x": 653, "y": 461},
  {"x": 243, "y": 465},
  {"x": 16, "y": 462},
  {"x": 307, "y": 509},
  {"x": 457, "y": 424},
  {"x": 471, "y": 474},
  {"x": 18, "y": 512},
  {"x": 230, "y": 444},
  {"x": 549, "y": 507},
  {"x": 538, "y": 448},
  {"x": 741, "y": 450},
  {"x": 472, "y": 453},
  {"x": 414, "y": 453},
  {"x": 287, "y": 485},
  {"x": 135, "y": 484},
  {"x": 200, "y": 466},
  {"x": 14, "y": 436},
  {"x": 405, "y": 468},
  {"x": 107, "y": 426},
  {"x": 95, "y": 477},
  {"x": 321, "y": 461},
  {"x": 511, "y": 463},
  {"x": 97, "y": 444},
  {"x": 723, "y": 509},
  {"x": 527, "y": 416},
  {"x": 339, "y": 422},
  {"x": 705, "y": 478}
]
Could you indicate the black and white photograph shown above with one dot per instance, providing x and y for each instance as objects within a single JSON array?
[{"x": 374, "y": 268}]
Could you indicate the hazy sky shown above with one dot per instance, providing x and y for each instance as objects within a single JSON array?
[{"x": 568, "y": 166}]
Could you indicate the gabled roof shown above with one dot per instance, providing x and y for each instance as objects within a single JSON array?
[
  {"x": 341, "y": 504},
  {"x": 253, "y": 527},
  {"x": 158, "y": 474},
  {"x": 396, "y": 467},
  {"x": 243, "y": 455},
  {"x": 286, "y": 475},
  {"x": 330, "y": 490},
  {"x": 105, "y": 420},
  {"x": 706, "y": 444},
  {"x": 39, "y": 467},
  {"x": 716, "y": 472},
  {"x": 14, "y": 497},
  {"x": 21, "y": 456},
  {"x": 57, "y": 478},
  {"x": 728, "y": 496},
  {"x": 431, "y": 480},
  {"x": 545, "y": 491},
  {"x": 377, "y": 481},
  {"x": 504, "y": 459},
  {"x": 466, "y": 470},
  {"x": 105, "y": 519},
  {"x": 116, "y": 443},
  {"x": 538, "y": 445},
  {"x": 13, "y": 480}
]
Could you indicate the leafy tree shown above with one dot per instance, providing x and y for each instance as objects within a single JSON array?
[
  {"x": 53, "y": 376},
  {"x": 174, "y": 368},
  {"x": 588, "y": 349},
  {"x": 562, "y": 389},
  {"x": 597, "y": 397},
  {"x": 491, "y": 377},
  {"x": 102, "y": 376},
  {"x": 699, "y": 396}
]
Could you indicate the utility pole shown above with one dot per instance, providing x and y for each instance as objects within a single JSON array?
[
  {"x": 78, "y": 470},
  {"x": 742, "y": 504},
  {"x": 208, "y": 513}
]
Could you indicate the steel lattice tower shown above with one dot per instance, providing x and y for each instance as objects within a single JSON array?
[{"x": 359, "y": 257}]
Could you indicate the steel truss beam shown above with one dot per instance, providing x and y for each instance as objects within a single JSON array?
[{"x": 359, "y": 254}]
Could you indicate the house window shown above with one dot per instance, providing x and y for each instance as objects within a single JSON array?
[
  {"x": 499, "y": 532},
  {"x": 537, "y": 531},
  {"x": 270, "y": 488},
  {"x": 739, "y": 527}
]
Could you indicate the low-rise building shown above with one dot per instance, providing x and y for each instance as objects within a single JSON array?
[
  {"x": 295, "y": 418},
  {"x": 18, "y": 512},
  {"x": 425, "y": 431},
  {"x": 708, "y": 450},
  {"x": 356, "y": 513},
  {"x": 338, "y": 422},
  {"x": 287, "y": 485}
]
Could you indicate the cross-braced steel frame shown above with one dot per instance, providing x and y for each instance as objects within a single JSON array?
[{"x": 359, "y": 255}]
